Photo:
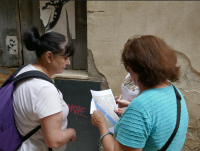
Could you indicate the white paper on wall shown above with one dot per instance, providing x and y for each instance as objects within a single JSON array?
[
  {"x": 47, "y": 14},
  {"x": 12, "y": 45}
]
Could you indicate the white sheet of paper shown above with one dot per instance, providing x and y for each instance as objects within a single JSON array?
[
  {"x": 92, "y": 106},
  {"x": 106, "y": 101},
  {"x": 104, "y": 93},
  {"x": 12, "y": 45}
]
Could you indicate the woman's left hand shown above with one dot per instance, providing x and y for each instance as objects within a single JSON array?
[
  {"x": 119, "y": 111},
  {"x": 98, "y": 119},
  {"x": 122, "y": 103}
]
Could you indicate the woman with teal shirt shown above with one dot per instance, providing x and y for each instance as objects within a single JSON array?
[{"x": 150, "y": 118}]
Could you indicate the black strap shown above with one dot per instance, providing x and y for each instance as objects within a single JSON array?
[
  {"x": 26, "y": 75},
  {"x": 178, "y": 101},
  {"x": 32, "y": 74},
  {"x": 17, "y": 70},
  {"x": 31, "y": 133}
]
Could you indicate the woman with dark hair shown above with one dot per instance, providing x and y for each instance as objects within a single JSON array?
[
  {"x": 38, "y": 102},
  {"x": 150, "y": 118}
]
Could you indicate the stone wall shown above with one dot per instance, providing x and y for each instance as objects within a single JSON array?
[{"x": 189, "y": 85}]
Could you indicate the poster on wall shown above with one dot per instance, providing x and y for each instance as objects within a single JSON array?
[
  {"x": 59, "y": 16},
  {"x": 12, "y": 45}
]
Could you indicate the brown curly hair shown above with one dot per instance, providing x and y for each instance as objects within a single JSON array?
[{"x": 151, "y": 58}]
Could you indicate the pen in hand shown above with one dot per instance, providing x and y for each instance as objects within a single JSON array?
[{"x": 120, "y": 97}]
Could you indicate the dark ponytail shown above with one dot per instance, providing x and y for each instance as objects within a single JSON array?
[
  {"x": 51, "y": 41},
  {"x": 30, "y": 38}
]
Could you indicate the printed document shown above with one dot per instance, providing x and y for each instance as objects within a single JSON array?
[{"x": 104, "y": 100}]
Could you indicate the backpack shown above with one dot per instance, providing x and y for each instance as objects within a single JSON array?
[{"x": 10, "y": 139}]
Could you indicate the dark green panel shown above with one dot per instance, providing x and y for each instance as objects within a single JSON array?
[{"x": 77, "y": 93}]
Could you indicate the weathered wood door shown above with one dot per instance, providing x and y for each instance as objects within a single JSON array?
[
  {"x": 10, "y": 34},
  {"x": 16, "y": 16},
  {"x": 29, "y": 16}
]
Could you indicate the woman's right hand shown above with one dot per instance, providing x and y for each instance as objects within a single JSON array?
[
  {"x": 122, "y": 103},
  {"x": 73, "y": 134},
  {"x": 52, "y": 131}
]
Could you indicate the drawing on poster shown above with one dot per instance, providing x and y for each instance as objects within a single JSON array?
[
  {"x": 12, "y": 45},
  {"x": 59, "y": 16},
  {"x": 57, "y": 11}
]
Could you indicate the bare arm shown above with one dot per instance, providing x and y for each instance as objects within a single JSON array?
[
  {"x": 52, "y": 132},
  {"x": 108, "y": 142}
]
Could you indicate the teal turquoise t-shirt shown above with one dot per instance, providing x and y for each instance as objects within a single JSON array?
[{"x": 150, "y": 119}]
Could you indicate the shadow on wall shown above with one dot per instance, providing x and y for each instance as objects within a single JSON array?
[{"x": 189, "y": 85}]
